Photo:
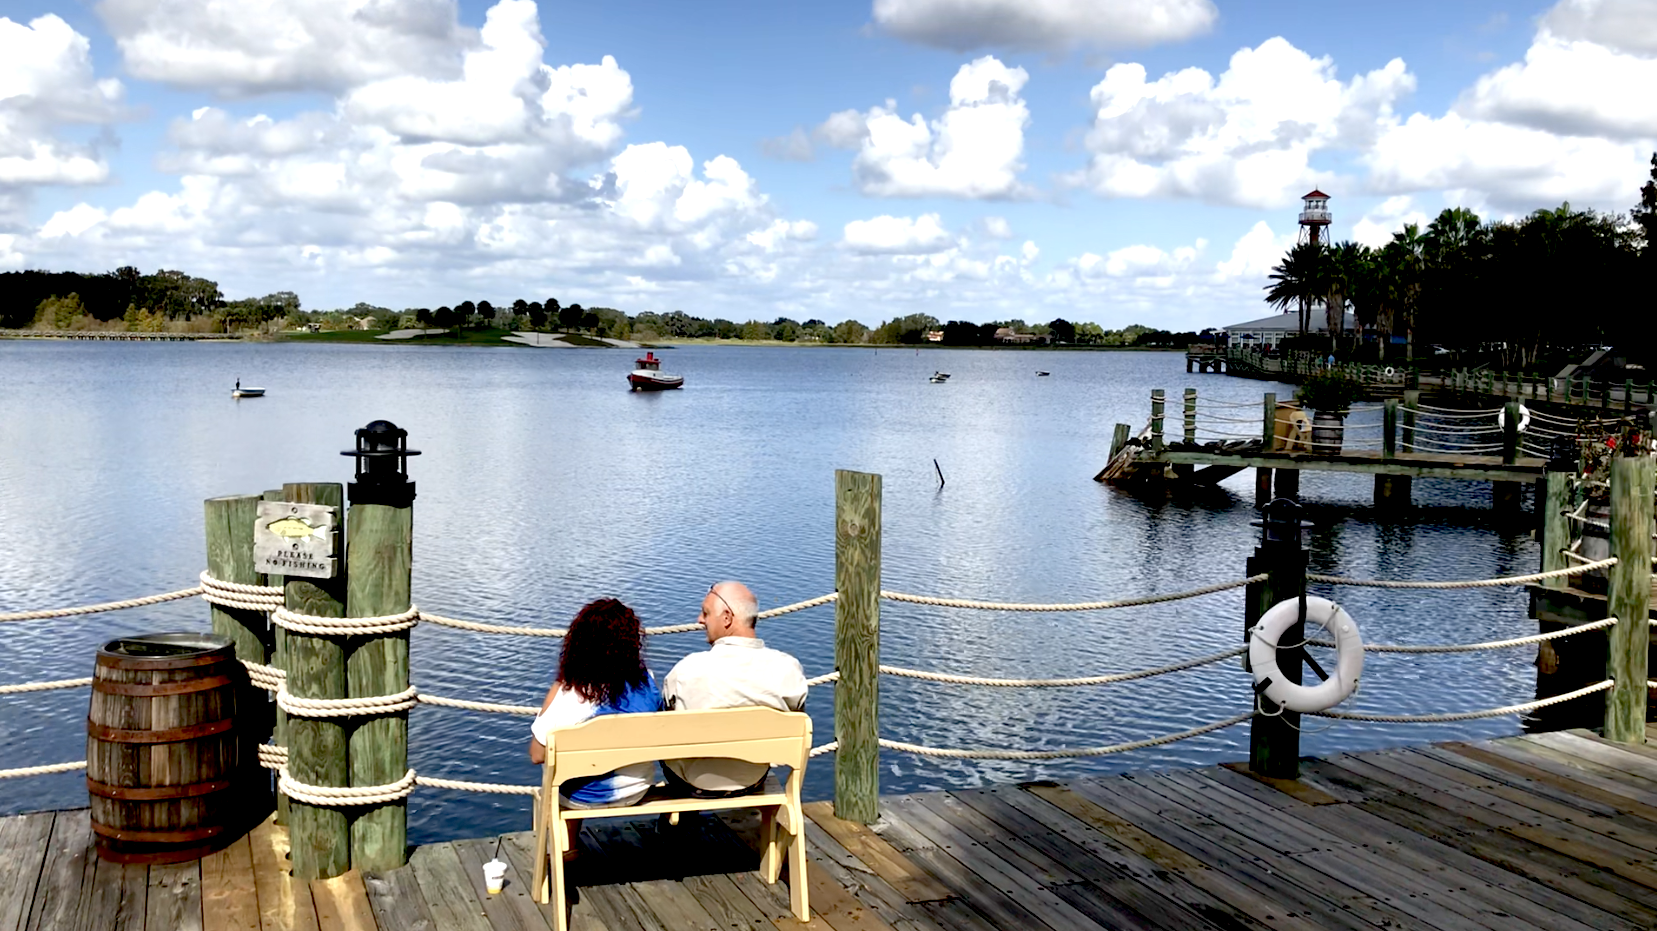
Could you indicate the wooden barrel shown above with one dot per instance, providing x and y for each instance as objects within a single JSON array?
[{"x": 161, "y": 758}]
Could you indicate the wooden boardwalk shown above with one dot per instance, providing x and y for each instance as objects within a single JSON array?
[{"x": 1555, "y": 831}]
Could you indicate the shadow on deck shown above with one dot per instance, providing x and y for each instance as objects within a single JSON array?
[{"x": 1555, "y": 831}]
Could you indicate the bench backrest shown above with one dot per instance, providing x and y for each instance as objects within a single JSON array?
[{"x": 755, "y": 735}]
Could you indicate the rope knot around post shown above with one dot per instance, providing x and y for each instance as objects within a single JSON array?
[
  {"x": 345, "y": 796},
  {"x": 318, "y": 626}
]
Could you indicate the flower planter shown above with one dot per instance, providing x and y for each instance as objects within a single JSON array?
[{"x": 1327, "y": 430}]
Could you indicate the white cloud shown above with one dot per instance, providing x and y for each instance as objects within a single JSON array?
[
  {"x": 1052, "y": 25},
  {"x": 974, "y": 150},
  {"x": 997, "y": 227},
  {"x": 1626, "y": 25},
  {"x": 1245, "y": 138},
  {"x": 1570, "y": 87},
  {"x": 1376, "y": 227},
  {"x": 233, "y": 47},
  {"x": 891, "y": 235},
  {"x": 772, "y": 237},
  {"x": 47, "y": 82},
  {"x": 1254, "y": 254}
]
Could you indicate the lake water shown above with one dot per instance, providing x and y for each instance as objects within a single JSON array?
[{"x": 544, "y": 483}]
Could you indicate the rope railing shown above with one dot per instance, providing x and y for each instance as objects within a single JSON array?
[
  {"x": 45, "y": 770},
  {"x": 44, "y": 686},
  {"x": 1465, "y": 715},
  {"x": 1077, "y": 752},
  {"x": 1472, "y": 647},
  {"x": 1061, "y": 683},
  {"x": 1466, "y": 583},
  {"x": 105, "y": 606},
  {"x": 1068, "y": 606}
]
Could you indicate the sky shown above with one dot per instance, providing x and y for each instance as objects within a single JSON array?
[{"x": 1114, "y": 161}]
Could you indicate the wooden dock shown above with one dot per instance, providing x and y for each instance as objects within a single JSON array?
[
  {"x": 1555, "y": 831},
  {"x": 1373, "y": 462}
]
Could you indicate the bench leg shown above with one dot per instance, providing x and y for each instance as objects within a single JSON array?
[
  {"x": 797, "y": 896},
  {"x": 560, "y": 904},
  {"x": 770, "y": 861},
  {"x": 540, "y": 885}
]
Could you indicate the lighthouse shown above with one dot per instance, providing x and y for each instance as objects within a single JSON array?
[{"x": 1314, "y": 216}]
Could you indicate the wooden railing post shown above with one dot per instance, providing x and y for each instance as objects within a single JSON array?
[
  {"x": 1156, "y": 420},
  {"x": 857, "y": 645},
  {"x": 1389, "y": 428},
  {"x": 1190, "y": 415},
  {"x": 1510, "y": 432},
  {"x": 1412, "y": 403},
  {"x": 1274, "y": 738},
  {"x": 1629, "y": 596},
  {"x": 1268, "y": 440},
  {"x": 1118, "y": 439},
  {"x": 229, "y": 525},
  {"x": 379, "y": 562},
  {"x": 320, "y": 837},
  {"x": 1556, "y": 522},
  {"x": 279, "y": 726}
]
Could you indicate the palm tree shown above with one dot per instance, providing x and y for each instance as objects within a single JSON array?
[
  {"x": 1405, "y": 259},
  {"x": 1299, "y": 280}
]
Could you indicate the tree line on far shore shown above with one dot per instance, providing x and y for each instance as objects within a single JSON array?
[{"x": 1512, "y": 290}]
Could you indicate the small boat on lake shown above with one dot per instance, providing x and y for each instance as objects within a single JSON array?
[
  {"x": 648, "y": 375},
  {"x": 1043, "y": 374},
  {"x": 240, "y": 392},
  {"x": 939, "y": 378}
]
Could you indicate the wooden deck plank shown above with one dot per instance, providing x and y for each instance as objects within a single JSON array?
[
  {"x": 23, "y": 844},
  {"x": 174, "y": 899},
  {"x": 725, "y": 903},
  {"x": 1579, "y": 810},
  {"x": 1302, "y": 790},
  {"x": 229, "y": 901},
  {"x": 998, "y": 906},
  {"x": 448, "y": 893},
  {"x": 342, "y": 903},
  {"x": 1617, "y": 757},
  {"x": 877, "y": 854},
  {"x": 117, "y": 898},
  {"x": 511, "y": 909},
  {"x": 674, "y": 906},
  {"x": 284, "y": 902},
  {"x": 63, "y": 877},
  {"x": 851, "y": 874},
  {"x": 1547, "y": 768},
  {"x": 397, "y": 901}
]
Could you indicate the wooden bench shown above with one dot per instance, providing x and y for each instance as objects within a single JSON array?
[{"x": 606, "y": 743}]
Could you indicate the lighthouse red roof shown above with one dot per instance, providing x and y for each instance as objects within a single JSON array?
[{"x": 1315, "y": 193}]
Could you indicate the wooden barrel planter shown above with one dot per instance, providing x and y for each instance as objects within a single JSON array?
[{"x": 161, "y": 757}]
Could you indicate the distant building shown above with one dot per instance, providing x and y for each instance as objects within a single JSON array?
[
  {"x": 1269, "y": 332},
  {"x": 1008, "y": 335},
  {"x": 934, "y": 336}
]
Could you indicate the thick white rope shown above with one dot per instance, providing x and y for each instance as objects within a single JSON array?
[
  {"x": 1589, "y": 521},
  {"x": 344, "y": 626},
  {"x": 42, "y": 770},
  {"x": 368, "y": 706},
  {"x": 106, "y": 606},
  {"x": 460, "y": 786},
  {"x": 1464, "y": 715},
  {"x": 268, "y": 678},
  {"x": 428, "y": 699},
  {"x": 272, "y": 756},
  {"x": 481, "y": 628},
  {"x": 1470, "y": 583},
  {"x": 1059, "y": 683},
  {"x": 1061, "y": 754},
  {"x": 821, "y": 749},
  {"x": 1076, "y": 606},
  {"x": 240, "y": 595},
  {"x": 344, "y": 796},
  {"x": 824, "y": 679},
  {"x": 1470, "y": 647},
  {"x": 44, "y": 686}
]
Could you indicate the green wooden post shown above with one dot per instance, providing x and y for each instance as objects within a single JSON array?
[
  {"x": 279, "y": 726},
  {"x": 229, "y": 526},
  {"x": 857, "y": 645},
  {"x": 1156, "y": 420},
  {"x": 320, "y": 837},
  {"x": 1389, "y": 428},
  {"x": 1118, "y": 439},
  {"x": 1274, "y": 740},
  {"x": 1268, "y": 422},
  {"x": 1629, "y": 597},
  {"x": 1556, "y": 524},
  {"x": 380, "y": 553},
  {"x": 1412, "y": 403},
  {"x": 1510, "y": 432},
  {"x": 1190, "y": 415}
]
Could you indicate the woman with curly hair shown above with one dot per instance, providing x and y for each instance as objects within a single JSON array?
[{"x": 600, "y": 671}]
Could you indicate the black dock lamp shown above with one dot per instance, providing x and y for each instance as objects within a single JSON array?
[{"x": 382, "y": 466}]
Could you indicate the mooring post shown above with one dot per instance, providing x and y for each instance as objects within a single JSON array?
[
  {"x": 857, "y": 645},
  {"x": 1156, "y": 420},
  {"x": 379, "y": 555},
  {"x": 320, "y": 837},
  {"x": 1510, "y": 432},
  {"x": 1118, "y": 440},
  {"x": 1629, "y": 593},
  {"x": 1412, "y": 403},
  {"x": 1191, "y": 415},
  {"x": 1274, "y": 736},
  {"x": 1555, "y": 520},
  {"x": 1268, "y": 424},
  {"x": 229, "y": 525},
  {"x": 1389, "y": 428},
  {"x": 279, "y": 727}
]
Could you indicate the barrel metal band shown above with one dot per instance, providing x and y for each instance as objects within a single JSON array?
[
  {"x": 124, "y": 735},
  {"x": 157, "y": 837},
  {"x": 154, "y": 793},
  {"x": 155, "y": 689}
]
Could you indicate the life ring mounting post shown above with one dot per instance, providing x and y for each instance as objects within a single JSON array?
[{"x": 1274, "y": 740}]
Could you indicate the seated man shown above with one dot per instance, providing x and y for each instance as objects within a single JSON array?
[{"x": 737, "y": 671}]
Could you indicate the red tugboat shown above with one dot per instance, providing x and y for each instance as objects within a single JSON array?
[{"x": 648, "y": 375}]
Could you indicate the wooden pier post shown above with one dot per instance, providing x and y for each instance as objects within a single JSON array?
[
  {"x": 380, "y": 553},
  {"x": 1268, "y": 423},
  {"x": 320, "y": 837},
  {"x": 229, "y": 525},
  {"x": 857, "y": 645},
  {"x": 1262, "y": 487},
  {"x": 1190, "y": 415},
  {"x": 1286, "y": 483},
  {"x": 279, "y": 726},
  {"x": 1510, "y": 432},
  {"x": 1629, "y": 597},
  {"x": 1156, "y": 420},
  {"x": 1555, "y": 524},
  {"x": 1274, "y": 739},
  {"x": 1412, "y": 404},
  {"x": 1118, "y": 440},
  {"x": 1389, "y": 428}
]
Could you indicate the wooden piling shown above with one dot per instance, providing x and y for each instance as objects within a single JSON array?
[
  {"x": 1262, "y": 487},
  {"x": 1412, "y": 404},
  {"x": 320, "y": 837},
  {"x": 1190, "y": 415},
  {"x": 1510, "y": 432},
  {"x": 279, "y": 727},
  {"x": 229, "y": 525},
  {"x": 1268, "y": 423},
  {"x": 1287, "y": 484},
  {"x": 857, "y": 645},
  {"x": 379, "y": 551},
  {"x": 1629, "y": 597},
  {"x": 1118, "y": 440},
  {"x": 1389, "y": 428},
  {"x": 1555, "y": 525},
  {"x": 1156, "y": 420},
  {"x": 1274, "y": 740}
]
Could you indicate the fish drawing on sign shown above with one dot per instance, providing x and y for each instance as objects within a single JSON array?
[{"x": 293, "y": 528}]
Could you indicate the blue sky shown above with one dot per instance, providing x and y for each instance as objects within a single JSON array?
[{"x": 1124, "y": 161}]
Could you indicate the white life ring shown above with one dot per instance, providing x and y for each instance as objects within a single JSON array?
[
  {"x": 1524, "y": 418},
  {"x": 1349, "y": 661},
  {"x": 1390, "y": 372}
]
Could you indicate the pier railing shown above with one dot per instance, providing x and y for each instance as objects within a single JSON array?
[{"x": 327, "y": 815}]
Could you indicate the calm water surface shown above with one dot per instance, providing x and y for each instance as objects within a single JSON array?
[{"x": 545, "y": 484}]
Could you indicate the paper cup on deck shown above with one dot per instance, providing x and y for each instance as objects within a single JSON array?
[{"x": 494, "y": 875}]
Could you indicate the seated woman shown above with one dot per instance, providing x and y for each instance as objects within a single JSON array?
[{"x": 600, "y": 671}]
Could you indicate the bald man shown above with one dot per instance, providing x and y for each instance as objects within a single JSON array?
[{"x": 738, "y": 670}]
